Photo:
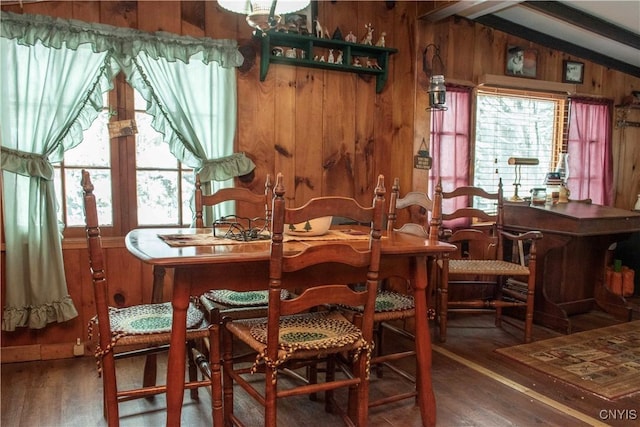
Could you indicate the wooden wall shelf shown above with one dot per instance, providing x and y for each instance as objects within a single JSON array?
[{"x": 313, "y": 46}]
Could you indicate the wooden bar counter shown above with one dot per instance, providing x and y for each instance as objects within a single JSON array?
[{"x": 572, "y": 257}]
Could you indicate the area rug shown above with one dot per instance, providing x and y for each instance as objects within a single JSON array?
[{"x": 604, "y": 361}]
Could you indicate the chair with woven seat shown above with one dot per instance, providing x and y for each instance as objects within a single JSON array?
[
  {"x": 134, "y": 330},
  {"x": 301, "y": 330},
  {"x": 395, "y": 306},
  {"x": 244, "y": 304},
  {"x": 489, "y": 271}
]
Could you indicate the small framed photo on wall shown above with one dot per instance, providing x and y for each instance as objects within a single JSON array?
[
  {"x": 521, "y": 62},
  {"x": 302, "y": 22},
  {"x": 572, "y": 72}
]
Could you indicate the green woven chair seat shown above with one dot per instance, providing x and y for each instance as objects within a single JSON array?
[
  {"x": 150, "y": 318},
  {"x": 242, "y": 299}
]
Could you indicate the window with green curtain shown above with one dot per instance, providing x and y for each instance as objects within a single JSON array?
[{"x": 54, "y": 74}]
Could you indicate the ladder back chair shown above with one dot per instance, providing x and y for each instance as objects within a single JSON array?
[
  {"x": 395, "y": 307},
  {"x": 302, "y": 330},
  {"x": 145, "y": 327},
  {"x": 239, "y": 304},
  {"x": 489, "y": 270}
]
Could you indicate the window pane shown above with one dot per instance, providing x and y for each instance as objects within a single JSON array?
[
  {"x": 513, "y": 127},
  {"x": 157, "y": 198},
  {"x": 101, "y": 180},
  {"x": 188, "y": 189},
  {"x": 151, "y": 150}
]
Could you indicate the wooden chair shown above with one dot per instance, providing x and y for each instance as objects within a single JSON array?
[
  {"x": 489, "y": 270},
  {"x": 131, "y": 331},
  {"x": 238, "y": 304},
  {"x": 394, "y": 303},
  {"x": 300, "y": 329}
]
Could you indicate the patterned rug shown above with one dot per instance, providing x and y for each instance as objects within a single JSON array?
[{"x": 604, "y": 361}]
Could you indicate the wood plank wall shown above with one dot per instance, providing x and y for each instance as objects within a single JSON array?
[{"x": 328, "y": 132}]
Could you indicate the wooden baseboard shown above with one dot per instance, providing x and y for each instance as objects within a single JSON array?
[{"x": 28, "y": 353}]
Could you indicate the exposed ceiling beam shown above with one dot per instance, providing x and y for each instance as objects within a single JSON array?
[
  {"x": 556, "y": 44},
  {"x": 586, "y": 21}
]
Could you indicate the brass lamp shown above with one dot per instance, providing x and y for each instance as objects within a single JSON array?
[
  {"x": 263, "y": 15},
  {"x": 518, "y": 162}
]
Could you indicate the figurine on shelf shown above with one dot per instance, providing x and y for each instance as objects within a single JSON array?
[
  {"x": 356, "y": 62},
  {"x": 331, "y": 58},
  {"x": 381, "y": 42},
  {"x": 326, "y": 33},
  {"x": 351, "y": 38},
  {"x": 319, "y": 30},
  {"x": 368, "y": 38},
  {"x": 339, "y": 59},
  {"x": 373, "y": 63}
]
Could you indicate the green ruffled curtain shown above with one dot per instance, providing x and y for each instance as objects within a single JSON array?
[
  {"x": 54, "y": 74},
  {"x": 199, "y": 129}
]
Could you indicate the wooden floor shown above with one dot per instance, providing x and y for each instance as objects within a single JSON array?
[{"x": 474, "y": 386}]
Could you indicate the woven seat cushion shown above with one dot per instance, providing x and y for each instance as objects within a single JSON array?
[
  {"x": 387, "y": 301},
  {"x": 303, "y": 334},
  {"x": 489, "y": 267},
  {"x": 242, "y": 299},
  {"x": 149, "y": 318}
]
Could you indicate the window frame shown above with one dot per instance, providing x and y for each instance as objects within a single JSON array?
[
  {"x": 560, "y": 129},
  {"x": 123, "y": 170}
]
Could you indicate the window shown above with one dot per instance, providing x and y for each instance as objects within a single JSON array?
[
  {"x": 512, "y": 123},
  {"x": 140, "y": 165}
]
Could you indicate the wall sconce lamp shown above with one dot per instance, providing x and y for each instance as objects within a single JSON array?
[
  {"x": 263, "y": 15},
  {"x": 518, "y": 162},
  {"x": 435, "y": 72}
]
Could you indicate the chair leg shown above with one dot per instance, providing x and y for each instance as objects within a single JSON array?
[
  {"x": 193, "y": 369},
  {"x": 270, "y": 404},
  {"x": 444, "y": 300},
  {"x": 110, "y": 390},
  {"x": 217, "y": 412},
  {"x": 150, "y": 372},
  {"x": 500, "y": 282},
  {"x": 227, "y": 367}
]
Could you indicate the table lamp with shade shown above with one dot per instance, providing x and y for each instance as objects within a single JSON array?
[{"x": 518, "y": 162}]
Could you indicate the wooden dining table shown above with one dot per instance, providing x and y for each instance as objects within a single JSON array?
[{"x": 202, "y": 262}]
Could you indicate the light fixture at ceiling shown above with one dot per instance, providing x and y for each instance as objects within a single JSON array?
[
  {"x": 263, "y": 15},
  {"x": 435, "y": 72}
]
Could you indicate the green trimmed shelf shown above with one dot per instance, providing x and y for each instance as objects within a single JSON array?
[{"x": 309, "y": 44}]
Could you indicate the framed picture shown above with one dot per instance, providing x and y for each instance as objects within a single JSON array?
[
  {"x": 521, "y": 62},
  {"x": 301, "y": 22},
  {"x": 572, "y": 72}
]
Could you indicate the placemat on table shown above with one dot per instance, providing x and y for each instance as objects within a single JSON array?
[{"x": 181, "y": 240}]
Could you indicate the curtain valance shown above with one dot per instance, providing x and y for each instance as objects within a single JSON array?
[{"x": 123, "y": 43}]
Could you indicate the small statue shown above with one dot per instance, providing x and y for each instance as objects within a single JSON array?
[
  {"x": 319, "y": 31},
  {"x": 351, "y": 38},
  {"x": 373, "y": 63},
  {"x": 356, "y": 62},
  {"x": 330, "y": 59},
  {"x": 381, "y": 41},
  {"x": 368, "y": 38},
  {"x": 340, "y": 59}
]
